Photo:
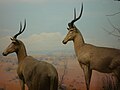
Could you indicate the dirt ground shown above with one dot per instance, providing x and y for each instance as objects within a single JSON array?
[{"x": 67, "y": 66}]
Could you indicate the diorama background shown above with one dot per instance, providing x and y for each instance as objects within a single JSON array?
[{"x": 46, "y": 28}]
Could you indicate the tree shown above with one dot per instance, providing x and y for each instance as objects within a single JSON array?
[{"x": 115, "y": 32}]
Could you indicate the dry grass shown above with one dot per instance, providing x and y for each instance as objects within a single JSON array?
[{"x": 109, "y": 83}]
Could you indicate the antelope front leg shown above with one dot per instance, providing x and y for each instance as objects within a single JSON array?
[
  {"x": 87, "y": 72},
  {"x": 22, "y": 84}
]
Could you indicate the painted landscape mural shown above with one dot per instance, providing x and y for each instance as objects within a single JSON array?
[
  {"x": 67, "y": 66},
  {"x": 79, "y": 39}
]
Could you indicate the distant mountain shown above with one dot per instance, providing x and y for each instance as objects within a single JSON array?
[
  {"x": 52, "y": 52},
  {"x": 48, "y": 52}
]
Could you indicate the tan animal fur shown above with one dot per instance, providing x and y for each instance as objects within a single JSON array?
[
  {"x": 90, "y": 57},
  {"x": 37, "y": 75}
]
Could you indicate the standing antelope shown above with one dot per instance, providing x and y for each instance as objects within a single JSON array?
[
  {"x": 37, "y": 75},
  {"x": 90, "y": 57}
]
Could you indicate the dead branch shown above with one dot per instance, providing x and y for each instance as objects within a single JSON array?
[
  {"x": 63, "y": 75},
  {"x": 113, "y": 14},
  {"x": 111, "y": 33},
  {"x": 115, "y": 29}
]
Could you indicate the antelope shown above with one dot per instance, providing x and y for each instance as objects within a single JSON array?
[
  {"x": 90, "y": 57},
  {"x": 37, "y": 75}
]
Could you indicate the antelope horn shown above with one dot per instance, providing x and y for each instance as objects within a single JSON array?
[
  {"x": 75, "y": 19},
  {"x": 21, "y": 30}
]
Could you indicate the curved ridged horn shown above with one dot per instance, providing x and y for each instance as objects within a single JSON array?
[
  {"x": 21, "y": 30},
  {"x": 75, "y": 19}
]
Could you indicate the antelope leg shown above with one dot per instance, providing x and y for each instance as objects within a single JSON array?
[
  {"x": 87, "y": 72},
  {"x": 22, "y": 84}
]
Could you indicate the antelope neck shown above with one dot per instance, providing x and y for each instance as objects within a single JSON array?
[
  {"x": 78, "y": 42},
  {"x": 21, "y": 53}
]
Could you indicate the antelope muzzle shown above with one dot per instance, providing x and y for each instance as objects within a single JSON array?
[
  {"x": 4, "y": 54},
  {"x": 64, "y": 42}
]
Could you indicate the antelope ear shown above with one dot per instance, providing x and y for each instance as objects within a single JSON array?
[
  {"x": 11, "y": 38},
  {"x": 14, "y": 40},
  {"x": 68, "y": 29}
]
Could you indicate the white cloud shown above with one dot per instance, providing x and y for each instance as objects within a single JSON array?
[
  {"x": 43, "y": 37},
  {"x": 44, "y": 41},
  {"x": 39, "y": 42}
]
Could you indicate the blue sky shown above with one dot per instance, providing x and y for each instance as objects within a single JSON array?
[{"x": 47, "y": 22}]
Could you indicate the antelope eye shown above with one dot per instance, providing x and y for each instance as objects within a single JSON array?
[
  {"x": 67, "y": 28},
  {"x": 14, "y": 42}
]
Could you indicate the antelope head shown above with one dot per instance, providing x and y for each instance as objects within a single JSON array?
[
  {"x": 14, "y": 46},
  {"x": 72, "y": 30}
]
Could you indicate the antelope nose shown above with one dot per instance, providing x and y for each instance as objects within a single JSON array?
[
  {"x": 4, "y": 54},
  {"x": 64, "y": 42}
]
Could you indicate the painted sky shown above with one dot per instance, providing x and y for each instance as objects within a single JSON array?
[{"x": 47, "y": 22}]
